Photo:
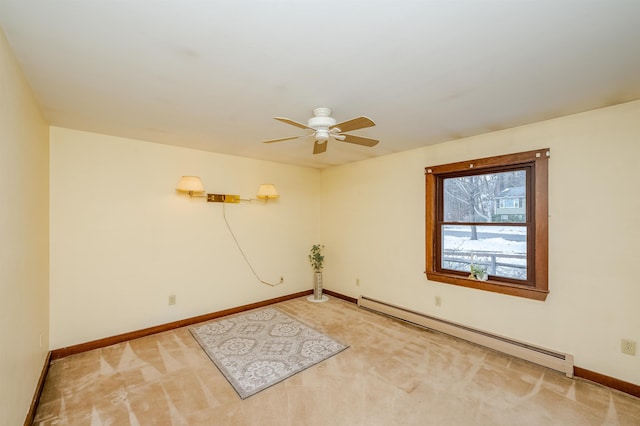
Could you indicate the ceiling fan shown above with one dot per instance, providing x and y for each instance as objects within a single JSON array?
[{"x": 324, "y": 127}]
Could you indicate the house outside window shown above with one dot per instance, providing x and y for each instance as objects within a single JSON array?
[
  {"x": 511, "y": 204},
  {"x": 487, "y": 224}
]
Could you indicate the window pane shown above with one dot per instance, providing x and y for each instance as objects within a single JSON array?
[
  {"x": 491, "y": 197},
  {"x": 502, "y": 250}
]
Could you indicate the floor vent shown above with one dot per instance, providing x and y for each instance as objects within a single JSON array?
[{"x": 545, "y": 357}]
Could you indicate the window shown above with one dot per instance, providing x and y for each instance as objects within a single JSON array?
[
  {"x": 486, "y": 224},
  {"x": 511, "y": 203}
]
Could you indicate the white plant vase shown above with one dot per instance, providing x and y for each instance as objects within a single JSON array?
[{"x": 317, "y": 295}]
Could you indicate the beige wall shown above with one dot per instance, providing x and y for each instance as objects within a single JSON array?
[
  {"x": 373, "y": 227},
  {"x": 24, "y": 263},
  {"x": 123, "y": 240}
]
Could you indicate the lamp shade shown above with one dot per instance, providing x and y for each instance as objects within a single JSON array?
[
  {"x": 190, "y": 184},
  {"x": 267, "y": 191}
]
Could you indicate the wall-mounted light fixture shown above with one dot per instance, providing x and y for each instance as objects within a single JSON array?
[
  {"x": 190, "y": 184},
  {"x": 267, "y": 191},
  {"x": 194, "y": 187}
]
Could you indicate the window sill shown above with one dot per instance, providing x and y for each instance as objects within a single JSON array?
[{"x": 490, "y": 285}]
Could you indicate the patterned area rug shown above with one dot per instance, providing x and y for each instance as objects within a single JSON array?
[{"x": 261, "y": 348}]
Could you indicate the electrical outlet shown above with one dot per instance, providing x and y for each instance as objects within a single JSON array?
[
  {"x": 357, "y": 282},
  {"x": 628, "y": 347},
  {"x": 438, "y": 301},
  {"x": 172, "y": 299}
]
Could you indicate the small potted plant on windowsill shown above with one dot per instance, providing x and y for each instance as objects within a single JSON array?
[
  {"x": 317, "y": 260},
  {"x": 479, "y": 272}
]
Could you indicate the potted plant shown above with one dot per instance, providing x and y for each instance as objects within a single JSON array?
[
  {"x": 317, "y": 259},
  {"x": 479, "y": 272}
]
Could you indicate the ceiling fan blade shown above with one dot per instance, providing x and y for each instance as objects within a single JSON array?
[
  {"x": 293, "y": 123},
  {"x": 354, "y": 124},
  {"x": 285, "y": 139},
  {"x": 359, "y": 140},
  {"x": 319, "y": 148}
]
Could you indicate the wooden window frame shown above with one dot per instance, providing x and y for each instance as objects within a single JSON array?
[{"x": 537, "y": 284}]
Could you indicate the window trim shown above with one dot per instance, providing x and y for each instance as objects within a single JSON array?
[{"x": 539, "y": 288}]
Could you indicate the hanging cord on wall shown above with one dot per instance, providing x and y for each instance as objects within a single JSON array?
[{"x": 224, "y": 215}]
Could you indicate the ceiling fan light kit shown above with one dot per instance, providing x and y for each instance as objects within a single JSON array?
[{"x": 325, "y": 127}]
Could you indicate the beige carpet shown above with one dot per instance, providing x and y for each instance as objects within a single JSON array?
[{"x": 392, "y": 374}]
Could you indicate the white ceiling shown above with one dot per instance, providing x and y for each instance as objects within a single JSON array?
[{"x": 211, "y": 74}]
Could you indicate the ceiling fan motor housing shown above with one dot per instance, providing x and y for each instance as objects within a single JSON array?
[{"x": 320, "y": 122}]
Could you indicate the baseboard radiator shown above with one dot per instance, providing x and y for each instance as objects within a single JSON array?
[{"x": 545, "y": 357}]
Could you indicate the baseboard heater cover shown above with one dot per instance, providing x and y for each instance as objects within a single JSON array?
[{"x": 545, "y": 357}]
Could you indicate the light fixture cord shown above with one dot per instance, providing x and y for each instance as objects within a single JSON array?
[{"x": 224, "y": 215}]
